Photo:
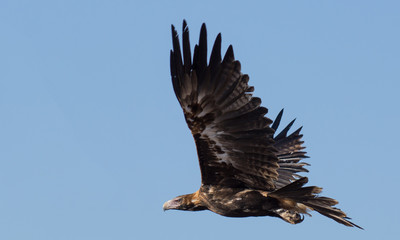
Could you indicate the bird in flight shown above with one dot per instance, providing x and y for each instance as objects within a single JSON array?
[{"x": 247, "y": 169}]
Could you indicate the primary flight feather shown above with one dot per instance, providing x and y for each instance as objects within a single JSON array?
[{"x": 246, "y": 168}]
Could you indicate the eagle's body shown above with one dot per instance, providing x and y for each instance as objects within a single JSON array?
[
  {"x": 246, "y": 169},
  {"x": 235, "y": 202}
]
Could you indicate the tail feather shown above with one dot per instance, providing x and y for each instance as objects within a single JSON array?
[
  {"x": 333, "y": 213},
  {"x": 295, "y": 197}
]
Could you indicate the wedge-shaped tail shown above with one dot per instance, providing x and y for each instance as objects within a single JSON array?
[{"x": 299, "y": 199}]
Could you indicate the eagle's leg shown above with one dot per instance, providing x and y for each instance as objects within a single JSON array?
[{"x": 288, "y": 216}]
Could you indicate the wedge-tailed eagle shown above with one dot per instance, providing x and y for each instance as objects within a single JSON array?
[{"x": 246, "y": 168}]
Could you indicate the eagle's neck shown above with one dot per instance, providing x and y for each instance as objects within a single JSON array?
[{"x": 192, "y": 202}]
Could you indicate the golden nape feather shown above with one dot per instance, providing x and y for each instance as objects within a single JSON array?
[{"x": 247, "y": 167}]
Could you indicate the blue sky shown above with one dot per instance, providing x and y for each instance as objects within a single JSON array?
[{"x": 93, "y": 141}]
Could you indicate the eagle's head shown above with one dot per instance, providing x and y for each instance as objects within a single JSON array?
[{"x": 188, "y": 202}]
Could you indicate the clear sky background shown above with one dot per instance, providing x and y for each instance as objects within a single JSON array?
[{"x": 93, "y": 141}]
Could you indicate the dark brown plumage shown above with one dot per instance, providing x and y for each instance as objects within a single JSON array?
[{"x": 246, "y": 169}]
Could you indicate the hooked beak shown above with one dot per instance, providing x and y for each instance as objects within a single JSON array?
[
  {"x": 165, "y": 206},
  {"x": 171, "y": 204}
]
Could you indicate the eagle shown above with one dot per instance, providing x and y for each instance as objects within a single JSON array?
[{"x": 247, "y": 169}]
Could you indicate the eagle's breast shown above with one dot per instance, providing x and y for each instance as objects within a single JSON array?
[{"x": 236, "y": 202}]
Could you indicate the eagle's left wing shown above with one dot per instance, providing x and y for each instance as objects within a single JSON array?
[
  {"x": 233, "y": 137},
  {"x": 290, "y": 153}
]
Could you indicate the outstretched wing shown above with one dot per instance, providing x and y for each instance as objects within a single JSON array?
[
  {"x": 290, "y": 153},
  {"x": 233, "y": 138}
]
